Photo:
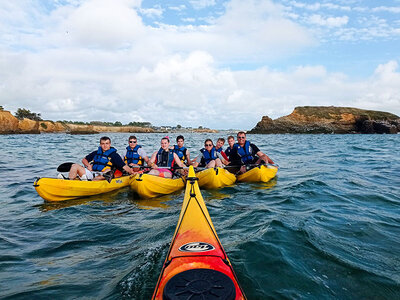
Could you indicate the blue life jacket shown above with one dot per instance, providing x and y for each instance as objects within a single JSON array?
[
  {"x": 218, "y": 150},
  {"x": 164, "y": 158},
  {"x": 102, "y": 161},
  {"x": 209, "y": 156},
  {"x": 180, "y": 152},
  {"x": 132, "y": 156},
  {"x": 244, "y": 153}
]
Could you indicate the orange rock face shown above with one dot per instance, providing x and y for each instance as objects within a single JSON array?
[
  {"x": 28, "y": 126},
  {"x": 8, "y": 123}
]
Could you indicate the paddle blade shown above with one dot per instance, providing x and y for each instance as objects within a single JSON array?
[{"x": 65, "y": 167}]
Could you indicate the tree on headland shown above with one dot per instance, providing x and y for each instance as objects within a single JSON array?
[
  {"x": 1, "y": 108},
  {"x": 179, "y": 126},
  {"x": 26, "y": 113}
]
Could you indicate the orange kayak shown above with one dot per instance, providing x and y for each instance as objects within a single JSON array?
[{"x": 196, "y": 266}]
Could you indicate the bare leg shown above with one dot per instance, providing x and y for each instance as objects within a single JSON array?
[
  {"x": 211, "y": 164},
  {"x": 76, "y": 170},
  {"x": 218, "y": 163}
]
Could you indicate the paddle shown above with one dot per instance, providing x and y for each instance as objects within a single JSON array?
[{"x": 65, "y": 167}]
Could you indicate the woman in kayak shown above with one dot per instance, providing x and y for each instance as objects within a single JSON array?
[
  {"x": 208, "y": 157},
  {"x": 163, "y": 160}
]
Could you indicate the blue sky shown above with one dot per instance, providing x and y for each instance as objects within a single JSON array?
[{"x": 219, "y": 64}]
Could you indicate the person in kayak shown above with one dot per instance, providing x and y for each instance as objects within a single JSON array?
[
  {"x": 135, "y": 155},
  {"x": 228, "y": 150},
  {"x": 245, "y": 153},
  {"x": 219, "y": 149},
  {"x": 182, "y": 151},
  {"x": 99, "y": 162},
  {"x": 208, "y": 157},
  {"x": 163, "y": 160}
]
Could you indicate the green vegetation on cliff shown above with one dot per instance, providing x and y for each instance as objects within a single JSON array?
[{"x": 333, "y": 112}]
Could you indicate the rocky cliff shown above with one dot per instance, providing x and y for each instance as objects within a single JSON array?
[
  {"x": 330, "y": 119},
  {"x": 10, "y": 124}
]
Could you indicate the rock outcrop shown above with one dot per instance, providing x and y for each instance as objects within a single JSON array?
[
  {"x": 330, "y": 119},
  {"x": 10, "y": 125},
  {"x": 28, "y": 126}
]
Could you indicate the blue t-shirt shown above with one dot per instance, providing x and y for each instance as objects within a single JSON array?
[{"x": 116, "y": 160}]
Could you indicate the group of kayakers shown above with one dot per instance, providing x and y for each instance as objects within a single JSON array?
[{"x": 168, "y": 159}]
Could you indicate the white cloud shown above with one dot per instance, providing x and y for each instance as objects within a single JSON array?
[
  {"x": 328, "y": 21},
  {"x": 96, "y": 60},
  {"x": 155, "y": 12},
  {"x": 200, "y": 4}
]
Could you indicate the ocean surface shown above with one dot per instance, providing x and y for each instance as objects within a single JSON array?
[{"x": 328, "y": 227}]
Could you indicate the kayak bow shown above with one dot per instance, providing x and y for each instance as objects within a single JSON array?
[
  {"x": 149, "y": 186},
  {"x": 214, "y": 178},
  {"x": 54, "y": 189},
  {"x": 196, "y": 266},
  {"x": 261, "y": 173}
]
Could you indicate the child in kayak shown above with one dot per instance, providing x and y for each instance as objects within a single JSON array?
[
  {"x": 163, "y": 160},
  {"x": 228, "y": 150},
  {"x": 208, "y": 157},
  {"x": 218, "y": 148},
  {"x": 99, "y": 162}
]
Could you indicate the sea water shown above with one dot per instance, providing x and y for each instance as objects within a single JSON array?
[{"x": 328, "y": 227}]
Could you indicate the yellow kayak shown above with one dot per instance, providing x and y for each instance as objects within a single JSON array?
[
  {"x": 149, "y": 186},
  {"x": 260, "y": 173},
  {"x": 196, "y": 266},
  {"x": 54, "y": 189},
  {"x": 215, "y": 178}
]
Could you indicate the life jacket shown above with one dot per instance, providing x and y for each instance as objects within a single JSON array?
[
  {"x": 244, "y": 153},
  {"x": 132, "y": 156},
  {"x": 218, "y": 150},
  {"x": 165, "y": 158},
  {"x": 180, "y": 152},
  {"x": 102, "y": 161},
  {"x": 207, "y": 156},
  {"x": 228, "y": 152}
]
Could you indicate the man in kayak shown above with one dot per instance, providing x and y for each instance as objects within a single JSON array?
[
  {"x": 135, "y": 155},
  {"x": 218, "y": 148},
  {"x": 182, "y": 151},
  {"x": 208, "y": 157},
  {"x": 245, "y": 153},
  {"x": 228, "y": 150},
  {"x": 99, "y": 162},
  {"x": 162, "y": 161}
]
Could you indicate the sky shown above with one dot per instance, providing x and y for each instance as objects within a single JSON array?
[{"x": 211, "y": 63}]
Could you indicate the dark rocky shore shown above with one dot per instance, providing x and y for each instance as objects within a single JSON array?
[{"x": 330, "y": 119}]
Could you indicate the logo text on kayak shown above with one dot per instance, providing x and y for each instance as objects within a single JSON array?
[{"x": 196, "y": 247}]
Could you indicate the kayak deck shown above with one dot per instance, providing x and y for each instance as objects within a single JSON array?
[
  {"x": 54, "y": 189},
  {"x": 260, "y": 173},
  {"x": 149, "y": 186},
  {"x": 214, "y": 178},
  {"x": 196, "y": 264}
]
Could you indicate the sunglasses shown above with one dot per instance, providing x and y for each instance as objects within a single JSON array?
[
  {"x": 241, "y": 137},
  {"x": 207, "y": 145},
  {"x": 132, "y": 142}
]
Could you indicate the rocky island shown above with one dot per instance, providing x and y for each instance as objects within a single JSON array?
[
  {"x": 11, "y": 125},
  {"x": 330, "y": 119}
]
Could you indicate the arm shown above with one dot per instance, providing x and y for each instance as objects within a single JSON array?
[
  {"x": 178, "y": 161},
  {"x": 152, "y": 160},
  {"x": 264, "y": 157},
  {"x": 188, "y": 157},
  {"x": 87, "y": 164}
]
